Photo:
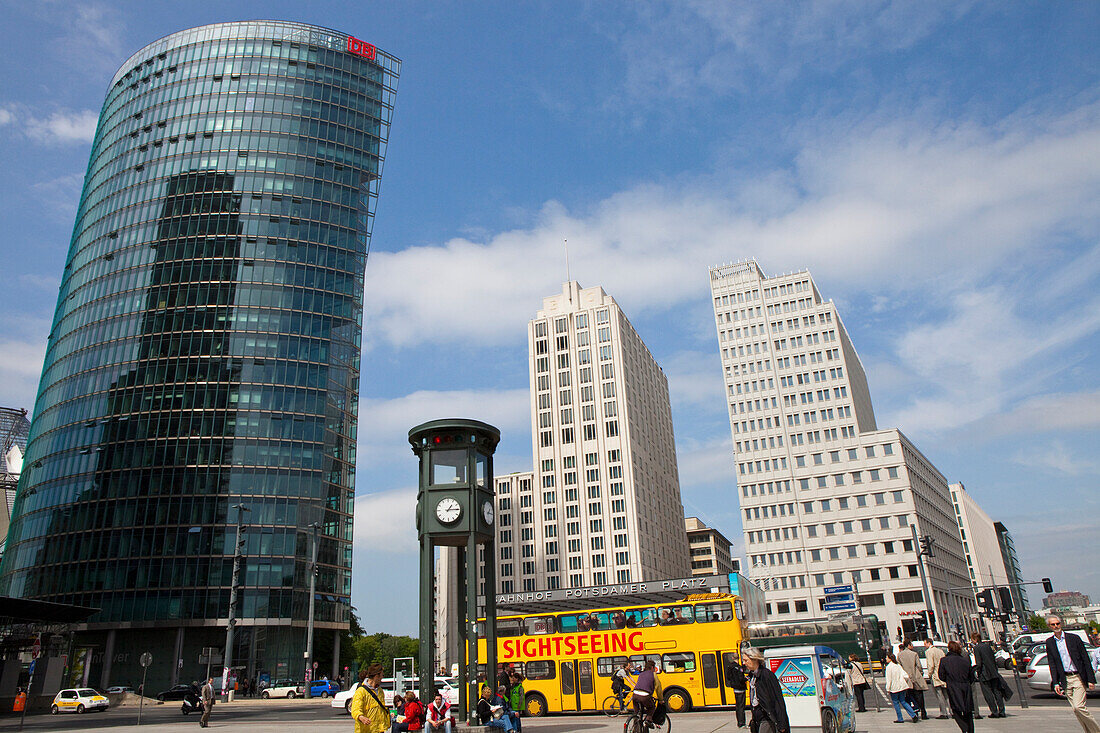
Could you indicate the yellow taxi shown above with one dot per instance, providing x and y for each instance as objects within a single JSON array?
[{"x": 78, "y": 700}]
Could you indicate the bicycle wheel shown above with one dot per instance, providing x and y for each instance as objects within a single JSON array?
[{"x": 612, "y": 706}]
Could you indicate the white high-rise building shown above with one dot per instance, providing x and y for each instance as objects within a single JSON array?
[
  {"x": 602, "y": 505},
  {"x": 826, "y": 497},
  {"x": 981, "y": 547}
]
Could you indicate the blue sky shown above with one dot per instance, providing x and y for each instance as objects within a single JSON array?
[{"x": 935, "y": 165}]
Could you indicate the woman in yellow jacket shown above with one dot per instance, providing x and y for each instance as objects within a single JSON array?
[{"x": 367, "y": 704}]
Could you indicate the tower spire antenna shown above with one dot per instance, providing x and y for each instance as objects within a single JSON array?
[{"x": 567, "y": 279}]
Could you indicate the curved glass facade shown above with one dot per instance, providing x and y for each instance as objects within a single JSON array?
[{"x": 205, "y": 348}]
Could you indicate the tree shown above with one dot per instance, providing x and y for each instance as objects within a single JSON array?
[
  {"x": 1037, "y": 623},
  {"x": 382, "y": 648}
]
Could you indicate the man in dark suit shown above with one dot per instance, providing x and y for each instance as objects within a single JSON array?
[
  {"x": 1071, "y": 672},
  {"x": 985, "y": 667}
]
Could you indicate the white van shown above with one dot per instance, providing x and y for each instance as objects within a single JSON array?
[
  {"x": 1023, "y": 641},
  {"x": 445, "y": 685}
]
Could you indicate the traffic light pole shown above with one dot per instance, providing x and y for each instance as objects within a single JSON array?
[
  {"x": 312, "y": 606},
  {"x": 928, "y": 613},
  {"x": 227, "y": 661}
]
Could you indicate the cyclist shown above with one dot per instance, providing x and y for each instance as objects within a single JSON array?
[
  {"x": 619, "y": 684},
  {"x": 647, "y": 692}
]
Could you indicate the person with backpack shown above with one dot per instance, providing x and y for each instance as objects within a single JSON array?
[{"x": 735, "y": 678}]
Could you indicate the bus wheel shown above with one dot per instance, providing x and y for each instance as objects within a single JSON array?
[
  {"x": 677, "y": 700},
  {"x": 828, "y": 721},
  {"x": 536, "y": 705}
]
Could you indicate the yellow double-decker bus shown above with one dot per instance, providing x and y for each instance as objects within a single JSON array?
[{"x": 567, "y": 659}]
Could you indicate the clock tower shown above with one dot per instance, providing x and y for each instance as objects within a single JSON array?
[{"x": 455, "y": 507}]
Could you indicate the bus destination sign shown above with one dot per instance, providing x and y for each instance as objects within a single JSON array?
[{"x": 609, "y": 642}]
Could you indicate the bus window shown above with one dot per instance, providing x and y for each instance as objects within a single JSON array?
[
  {"x": 618, "y": 620},
  {"x": 593, "y": 622},
  {"x": 649, "y": 617},
  {"x": 540, "y": 670},
  {"x": 633, "y": 618},
  {"x": 585, "y": 669},
  {"x": 679, "y": 662},
  {"x": 509, "y": 667},
  {"x": 570, "y": 622},
  {"x": 639, "y": 660},
  {"x": 710, "y": 671},
  {"x": 535, "y": 625},
  {"x": 672, "y": 615},
  {"x": 567, "y": 685},
  {"x": 509, "y": 627},
  {"x": 606, "y": 666},
  {"x": 710, "y": 612},
  {"x": 739, "y": 605}
]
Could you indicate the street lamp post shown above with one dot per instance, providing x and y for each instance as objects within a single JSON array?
[
  {"x": 312, "y": 604},
  {"x": 238, "y": 546}
]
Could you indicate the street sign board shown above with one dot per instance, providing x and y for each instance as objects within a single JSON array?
[
  {"x": 37, "y": 648},
  {"x": 31, "y": 669},
  {"x": 841, "y": 606},
  {"x": 146, "y": 659},
  {"x": 833, "y": 590}
]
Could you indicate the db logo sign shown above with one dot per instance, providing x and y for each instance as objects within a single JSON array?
[{"x": 361, "y": 48}]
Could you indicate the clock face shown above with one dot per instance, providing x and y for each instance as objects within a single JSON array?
[
  {"x": 448, "y": 510},
  {"x": 487, "y": 512}
]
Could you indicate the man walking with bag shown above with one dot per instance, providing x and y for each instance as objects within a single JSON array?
[
  {"x": 735, "y": 676},
  {"x": 207, "y": 702},
  {"x": 910, "y": 662},
  {"x": 985, "y": 667},
  {"x": 933, "y": 655},
  {"x": 1071, "y": 672}
]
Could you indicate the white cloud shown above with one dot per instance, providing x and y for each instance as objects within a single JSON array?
[
  {"x": 386, "y": 522},
  {"x": 1057, "y": 456},
  {"x": 1051, "y": 412},
  {"x": 60, "y": 195},
  {"x": 6, "y": 116},
  {"x": 878, "y": 206},
  {"x": 20, "y": 368},
  {"x": 48, "y": 283},
  {"x": 384, "y": 423},
  {"x": 701, "y": 48},
  {"x": 63, "y": 127},
  {"x": 93, "y": 33}
]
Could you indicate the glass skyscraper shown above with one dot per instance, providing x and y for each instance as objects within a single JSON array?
[{"x": 205, "y": 354}]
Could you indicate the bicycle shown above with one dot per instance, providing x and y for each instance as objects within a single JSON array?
[
  {"x": 636, "y": 723},
  {"x": 616, "y": 704}
]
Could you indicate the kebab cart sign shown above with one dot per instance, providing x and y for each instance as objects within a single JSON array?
[{"x": 796, "y": 676}]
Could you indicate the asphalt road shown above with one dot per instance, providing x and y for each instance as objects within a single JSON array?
[{"x": 318, "y": 715}]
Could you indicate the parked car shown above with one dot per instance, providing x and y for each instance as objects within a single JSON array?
[
  {"x": 119, "y": 689},
  {"x": 445, "y": 685},
  {"x": 176, "y": 692},
  {"x": 1038, "y": 672},
  {"x": 78, "y": 700},
  {"x": 324, "y": 688},
  {"x": 284, "y": 688}
]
